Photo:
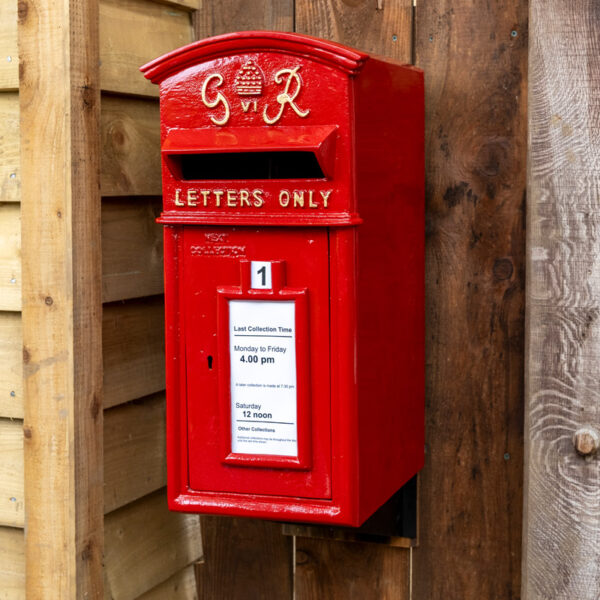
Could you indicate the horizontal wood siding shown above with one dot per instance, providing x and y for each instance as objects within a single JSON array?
[
  {"x": 133, "y": 348},
  {"x": 132, "y": 255},
  {"x": 181, "y": 586},
  {"x": 11, "y": 474},
  {"x": 130, "y": 147},
  {"x": 134, "y": 458},
  {"x": 145, "y": 545},
  {"x": 149, "y": 550},
  {"x": 9, "y": 54},
  {"x": 134, "y": 451},
  {"x": 10, "y": 257},
  {"x": 10, "y": 172},
  {"x": 133, "y": 32},
  {"x": 12, "y": 542},
  {"x": 12, "y": 564},
  {"x": 11, "y": 365}
]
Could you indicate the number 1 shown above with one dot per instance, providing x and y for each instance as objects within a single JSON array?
[{"x": 263, "y": 272}]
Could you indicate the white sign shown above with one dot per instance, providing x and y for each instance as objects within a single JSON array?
[
  {"x": 260, "y": 278},
  {"x": 262, "y": 352}
]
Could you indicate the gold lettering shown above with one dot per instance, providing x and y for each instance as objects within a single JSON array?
[
  {"x": 284, "y": 198},
  {"x": 258, "y": 199},
  {"x": 310, "y": 200},
  {"x": 325, "y": 196},
  {"x": 244, "y": 194},
  {"x": 219, "y": 99},
  {"x": 178, "y": 201},
  {"x": 298, "y": 198},
  {"x": 285, "y": 98},
  {"x": 218, "y": 194},
  {"x": 247, "y": 104},
  {"x": 231, "y": 198},
  {"x": 205, "y": 194},
  {"x": 191, "y": 198}
]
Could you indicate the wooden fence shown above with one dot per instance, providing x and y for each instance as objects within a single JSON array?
[
  {"x": 82, "y": 468},
  {"x": 475, "y": 58}
]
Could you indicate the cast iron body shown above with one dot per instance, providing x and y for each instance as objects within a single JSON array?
[{"x": 307, "y": 155}]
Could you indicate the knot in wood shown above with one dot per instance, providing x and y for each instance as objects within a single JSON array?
[{"x": 586, "y": 441}]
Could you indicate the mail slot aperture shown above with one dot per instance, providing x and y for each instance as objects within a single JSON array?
[
  {"x": 292, "y": 164},
  {"x": 293, "y": 221}
]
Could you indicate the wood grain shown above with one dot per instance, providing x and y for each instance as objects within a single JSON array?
[
  {"x": 181, "y": 586},
  {"x": 134, "y": 458},
  {"x": 158, "y": 29},
  {"x": 146, "y": 544},
  {"x": 12, "y": 564},
  {"x": 215, "y": 18},
  {"x": 10, "y": 257},
  {"x": 59, "y": 100},
  {"x": 134, "y": 451},
  {"x": 471, "y": 490},
  {"x": 132, "y": 251},
  {"x": 133, "y": 349},
  {"x": 11, "y": 474},
  {"x": 191, "y": 5},
  {"x": 561, "y": 527},
  {"x": 11, "y": 365},
  {"x": 10, "y": 172},
  {"x": 350, "y": 571},
  {"x": 9, "y": 54},
  {"x": 130, "y": 130},
  {"x": 360, "y": 24},
  {"x": 244, "y": 558},
  {"x": 333, "y": 569}
]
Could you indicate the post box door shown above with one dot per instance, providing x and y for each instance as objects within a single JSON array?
[{"x": 256, "y": 346}]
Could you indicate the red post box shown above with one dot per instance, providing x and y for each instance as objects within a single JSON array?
[{"x": 294, "y": 230}]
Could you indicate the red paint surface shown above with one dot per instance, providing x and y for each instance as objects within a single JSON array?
[{"x": 350, "y": 253}]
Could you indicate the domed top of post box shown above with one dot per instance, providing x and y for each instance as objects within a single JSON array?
[{"x": 340, "y": 57}]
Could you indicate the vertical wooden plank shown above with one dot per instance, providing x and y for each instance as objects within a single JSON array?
[
  {"x": 244, "y": 558},
  {"x": 351, "y": 571},
  {"x": 474, "y": 55},
  {"x": 383, "y": 27},
  {"x": 332, "y": 569},
  {"x": 215, "y": 18},
  {"x": 59, "y": 108},
  {"x": 561, "y": 526}
]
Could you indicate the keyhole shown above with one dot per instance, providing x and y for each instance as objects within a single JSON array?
[{"x": 210, "y": 363}]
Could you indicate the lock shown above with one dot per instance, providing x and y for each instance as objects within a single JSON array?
[{"x": 293, "y": 213}]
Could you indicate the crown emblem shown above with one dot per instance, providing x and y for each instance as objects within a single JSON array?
[{"x": 249, "y": 80}]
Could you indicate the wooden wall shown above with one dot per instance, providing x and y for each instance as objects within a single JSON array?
[
  {"x": 561, "y": 527},
  {"x": 475, "y": 56},
  {"x": 148, "y": 552}
]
